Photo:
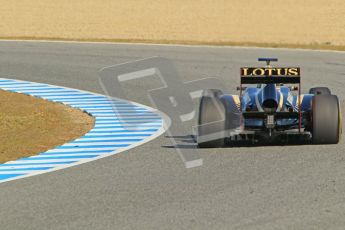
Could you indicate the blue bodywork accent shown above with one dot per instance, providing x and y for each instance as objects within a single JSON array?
[
  {"x": 268, "y": 59},
  {"x": 253, "y": 100}
]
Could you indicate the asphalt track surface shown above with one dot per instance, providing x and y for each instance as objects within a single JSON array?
[{"x": 262, "y": 187}]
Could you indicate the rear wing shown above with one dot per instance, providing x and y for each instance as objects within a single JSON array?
[{"x": 270, "y": 75}]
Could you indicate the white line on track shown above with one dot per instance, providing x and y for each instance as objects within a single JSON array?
[
  {"x": 75, "y": 155},
  {"x": 106, "y": 139},
  {"x": 45, "y": 161},
  {"x": 105, "y": 143},
  {"x": 23, "y": 166},
  {"x": 78, "y": 149}
]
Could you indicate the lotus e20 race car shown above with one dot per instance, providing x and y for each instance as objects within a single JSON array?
[{"x": 270, "y": 111}]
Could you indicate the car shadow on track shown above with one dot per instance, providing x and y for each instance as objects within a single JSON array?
[{"x": 189, "y": 142}]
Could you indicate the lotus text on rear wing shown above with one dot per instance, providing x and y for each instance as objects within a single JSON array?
[{"x": 268, "y": 71}]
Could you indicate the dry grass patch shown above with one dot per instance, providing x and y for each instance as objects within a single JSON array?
[
  {"x": 30, "y": 125},
  {"x": 287, "y": 23}
]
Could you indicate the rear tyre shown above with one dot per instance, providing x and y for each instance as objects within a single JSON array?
[
  {"x": 320, "y": 90},
  {"x": 326, "y": 119},
  {"x": 212, "y": 120}
]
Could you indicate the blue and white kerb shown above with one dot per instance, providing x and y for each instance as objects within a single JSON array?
[{"x": 128, "y": 125}]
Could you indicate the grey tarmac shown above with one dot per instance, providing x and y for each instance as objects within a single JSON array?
[{"x": 262, "y": 187}]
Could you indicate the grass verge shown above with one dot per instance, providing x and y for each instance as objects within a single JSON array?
[{"x": 30, "y": 125}]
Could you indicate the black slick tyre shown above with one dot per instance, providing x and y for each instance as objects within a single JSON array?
[
  {"x": 211, "y": 121},
  {"x": 326, "y": 119}
]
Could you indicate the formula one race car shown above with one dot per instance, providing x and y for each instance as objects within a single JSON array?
[{"x": 270, "y": 111}]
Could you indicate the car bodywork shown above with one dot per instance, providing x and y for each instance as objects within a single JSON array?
[
  {"x": 269, "y": 107},
  {"x": 269, "y": 110}
]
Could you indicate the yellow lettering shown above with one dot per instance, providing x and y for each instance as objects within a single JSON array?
[
  {"x": 261, "y": 72},
  {"x": 245, "y": 71},
  {"x": 269, "y": 72},
  {"x": 293, "y": 71}
]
